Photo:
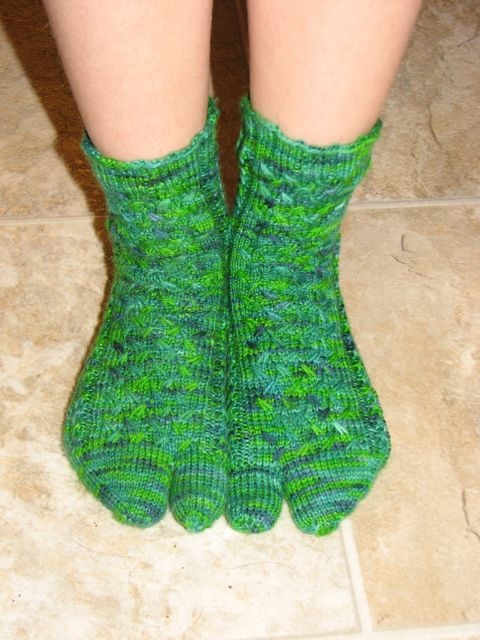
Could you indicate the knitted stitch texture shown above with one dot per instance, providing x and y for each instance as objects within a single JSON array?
[
  {"x": 146, "y": 422},
  {"x": 304, "y": 421}
]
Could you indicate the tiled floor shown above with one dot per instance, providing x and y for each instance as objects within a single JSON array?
[{"x": 407, "y": 564}]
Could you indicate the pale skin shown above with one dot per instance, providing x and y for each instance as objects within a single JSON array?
[
  {"x": 321, "y": 69},
  {"x": 139, "y": 71}
]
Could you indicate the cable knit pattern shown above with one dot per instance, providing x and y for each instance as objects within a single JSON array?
[
  {"x": 146, "y": 422},
  {"x": 304, "y": 421}
]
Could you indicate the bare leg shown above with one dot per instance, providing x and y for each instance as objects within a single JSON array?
[
  {"x": 321, "y": 69},
  {"x": 139, "y": 71}
]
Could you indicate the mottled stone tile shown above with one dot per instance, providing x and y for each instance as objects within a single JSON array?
[
  {"x": 68, "y": 569},
  {"x": 429, "y": 143},
  {"x": 410, "y": 278},
  {"x": 476, "y": 637},
  {"x": 441, "y": 635}
]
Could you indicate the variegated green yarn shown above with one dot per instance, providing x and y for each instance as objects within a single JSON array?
[
  {"x": 304, "y": 421},
  {"x": 146, "y": 426}
]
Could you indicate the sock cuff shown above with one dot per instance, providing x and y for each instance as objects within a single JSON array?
[
  {"x": 193, "y": 164},
  {"x": 264, "y": 143}
]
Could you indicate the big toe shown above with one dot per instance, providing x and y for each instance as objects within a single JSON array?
[
  {"x": 197, "y": 495},
  {"x": 254, "y": 500}
]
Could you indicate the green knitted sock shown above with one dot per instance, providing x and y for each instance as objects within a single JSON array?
[
  {"x": 304, "y": 421},
  {"x": 146, "y": 423}
]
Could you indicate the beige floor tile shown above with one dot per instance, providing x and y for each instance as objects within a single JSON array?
[
  {"x": 68, "y": 569},
  {"x": 429, "y": 143},
  {"x": 411, "y": 278}
]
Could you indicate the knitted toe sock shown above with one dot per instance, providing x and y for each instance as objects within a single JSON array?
[
  {"x": 146, "y": 421},
  {"x": 304, "y": 421}
]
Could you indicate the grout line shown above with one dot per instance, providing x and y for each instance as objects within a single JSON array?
[
  {"x": 364, "y": 204},
  {"x": 7, "y": 222},
  {"x": 414, "y": 203},
  {"x": 356, "y": 577},
  {"x": 446, "y": 632},
  {"x": 450, "y": 632}
]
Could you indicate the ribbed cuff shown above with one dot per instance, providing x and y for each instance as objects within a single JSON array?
[
  {"x": 263, "y": 142},
  {"x": 190, "y": 163}
]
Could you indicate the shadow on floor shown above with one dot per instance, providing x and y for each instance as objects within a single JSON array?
[{"x": 27, "y": 28}]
